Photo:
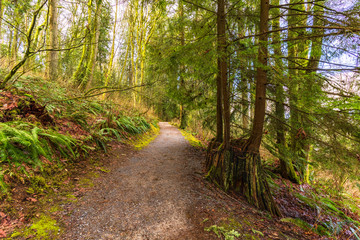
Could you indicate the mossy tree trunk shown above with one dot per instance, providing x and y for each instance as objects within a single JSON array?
[
  {"x": 1, "y": 16},
  {"x": 309, "y": 98},
  {"x": 112, "y": 51},
  {"x": 95, "y": 34},
  {"x": 298, "y": 55},
  {"x": 183, "y": 112},
  {"x": 78, "y": 77},
  {"x": 52, "y": 71},
  {"x": 287, "y": 169}
]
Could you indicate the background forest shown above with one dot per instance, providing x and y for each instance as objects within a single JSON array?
[{"x": 277, "y": 79}]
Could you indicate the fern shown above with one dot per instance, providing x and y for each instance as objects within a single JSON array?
[
  {"x": 24, "y": 142},
  {"x": 108, "y": 131},
  {"x": 64, "y": 144}
]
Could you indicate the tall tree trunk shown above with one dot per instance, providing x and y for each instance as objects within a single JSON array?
[
  {"x": 53, "y": 38},
  {"x": 239, "y": 168},
  {"x": 14, "y": 50},
  {"x": 1, "y": 16},
  {"x": 90, "y": 69},
  {"x": 298, "y": 53},
  {"x": 287, "y": 169},
  {"x": 183, "y": 117},
  {"x": 112, "y": 51},
  {"x": 80, "y": 72},
  {"x": 308, "y": 98},
  {"x": 245, "y": 102},
  {"x": 221, "y": 29},
  {"x": 219, "y": 109},
  {"x": 10, "y": 48},
  {"x": 255, "y": 186}
]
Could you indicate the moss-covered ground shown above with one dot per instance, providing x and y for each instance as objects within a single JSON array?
[
  {"x": 192, "y": 140},
  {"x": 145, "y": 139}
]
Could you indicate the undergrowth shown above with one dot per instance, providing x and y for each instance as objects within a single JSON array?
[
  {"x": 56, "y": 131},
  {"x": 77, "y": 126}
]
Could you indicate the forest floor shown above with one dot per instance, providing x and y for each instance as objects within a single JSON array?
[{"x": 160, "y": 193}]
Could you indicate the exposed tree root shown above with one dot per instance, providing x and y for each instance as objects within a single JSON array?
[{"x": 238, "y": 169}]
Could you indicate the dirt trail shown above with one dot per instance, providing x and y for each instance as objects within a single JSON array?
[{"x": 156, "y": 193}]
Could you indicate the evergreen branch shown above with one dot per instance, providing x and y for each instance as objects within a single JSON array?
[
  {"x": 294, "y": 4},
  {"x": 199, "y": 6},
  {"x": 322, "y": 61}
]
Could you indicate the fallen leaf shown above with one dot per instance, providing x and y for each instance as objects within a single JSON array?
[
  {"x": 31, "y": 199},
  {"x": 2, "y": 233}
]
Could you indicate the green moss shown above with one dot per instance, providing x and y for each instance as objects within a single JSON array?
[
  {"x": 146, "y": 138},
  {"x": 104, "y": 170},
  {"x": 42, "y": 228},
  {"x": 70, "y": 196},
  {"x": 87, "y": 183},
  {"x": 54, "y": 209},
  {"x": 192, "y": 140}
]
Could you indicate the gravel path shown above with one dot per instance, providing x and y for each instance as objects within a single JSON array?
[{"x": 155, "y": 193}]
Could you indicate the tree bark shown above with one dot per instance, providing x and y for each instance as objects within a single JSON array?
[
  {"x": 222, "y": 56},
  {"x": 308, "y": 100},
  {"x": 219, "y": 109},
  {"x": 14, "y": 50},
  {"x": 80, "y": 72},
  {"x": 287, "y": 169},
  {"x": 53, "y": 38},
  {"x": 256, "y": 188},
  {"x": 183, "y": 113},
  {"x": 95, "y": 34},
  {"x": 1, "y": 16},
  {"x": 112, "y": 51}
]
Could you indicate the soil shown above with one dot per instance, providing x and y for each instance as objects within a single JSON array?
[{"x": 160, "y": 193}]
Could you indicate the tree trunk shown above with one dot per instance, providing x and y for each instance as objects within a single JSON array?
[
  {"x": 238, "y": 167},
  {"x": 1, "y": 16},
  {"x": 95, "y": 34},
  {"x": 112, "y": 51},
  {"x": 222, "y": 58},
  {"x": 308, "y": 100},
  {"x": 183, "y": 117},
  {"x": 287, "y": 169},
  {"x": 10, "y": 48},
  {"x": 294, "y": 81},
  {"x": 219, "y": 109},
  {"x": 14, "y": 50},
  {"x": 80, "y": 72},
  {"x": 53, "y": 38}
]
